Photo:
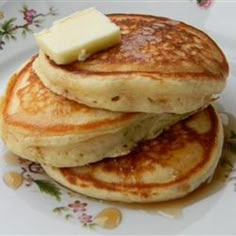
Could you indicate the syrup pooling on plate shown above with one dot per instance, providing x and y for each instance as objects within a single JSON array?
[
  {"x": 175, "y": 208},
  {"x": 108, "y": 218},
  {"x": 217, "y": 183},
  {"x": 167, "y": 167},
  {"x": 13, "y": 179}
]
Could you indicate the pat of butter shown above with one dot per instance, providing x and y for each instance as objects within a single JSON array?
[{"x": 78, "y": 36}]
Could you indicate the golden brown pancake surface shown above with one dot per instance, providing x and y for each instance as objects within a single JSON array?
[
  {"x": 30, "y": 104},
  {"x": 160, "y": 66},
  {"x": 42, "y": 126},
  {"x": 167, "y": 167},
  {"x": 155, "y": 44}
]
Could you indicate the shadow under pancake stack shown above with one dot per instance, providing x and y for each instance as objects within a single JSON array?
[{"x": 132, "y": 123}]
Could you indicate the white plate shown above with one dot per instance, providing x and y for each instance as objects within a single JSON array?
[{"x": 31, "y": 211}]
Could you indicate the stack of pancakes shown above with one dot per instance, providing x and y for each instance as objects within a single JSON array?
[{"x": 133, "y": 123}]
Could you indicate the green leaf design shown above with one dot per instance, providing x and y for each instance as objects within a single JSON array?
[
  {"x": 225, "y": 162},
  {"x": 233, "y": 134},
  {"x": 24, "y": 7},
  {"x": 7, "y": 37},
  {"x": 48, "y": 187},
  {"x": 89, "y": 225},
  {"x": 200, "y": 1},
  {"x": 60, "y": 210},
  {"x": 92, "y": 225},
  {"x": 13, "y": 37},
  {"x": 68, "y": 216},
  {"x": 232, "y": 145},
  {"x": 53, "y": 11},
  {"x": 8, "y": 25},
  {"x": 29, "y": 30},
  {"x": 23, "y": 33},
  {"x": 38, "y": 21}
]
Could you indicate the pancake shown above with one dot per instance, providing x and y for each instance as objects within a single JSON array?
[
  {"x": 160, "y": 66},
  {"x": 167, "y": 167},
  {"x": 43, "y": 127}
]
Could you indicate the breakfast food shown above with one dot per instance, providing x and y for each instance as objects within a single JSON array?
[
  {"x": 160, "y": 66},
  {"x": 131, "y": 123},
  {"x": 167, "y": 167},
  {"x": 43, "y": 127}
]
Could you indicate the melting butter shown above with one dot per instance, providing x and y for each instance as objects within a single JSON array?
[{"x": 78, "y": 36}]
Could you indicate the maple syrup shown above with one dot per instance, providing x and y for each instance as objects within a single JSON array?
[
  {"x": 108, "y": 218},
  {"x": 13, "y": 179},
  {"x": 174, "y": 208}
]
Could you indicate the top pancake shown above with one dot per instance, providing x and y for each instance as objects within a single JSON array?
[{"x": 160, "y": 66}]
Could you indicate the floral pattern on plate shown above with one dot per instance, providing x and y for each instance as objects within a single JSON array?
[
  {"x": 204, "y": 3},
  {"x": 9, "y": 28},
  {"x": 71, "y": 206},
  {"x": 77, "y": 209}
]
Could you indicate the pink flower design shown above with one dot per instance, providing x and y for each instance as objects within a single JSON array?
[
  {"x": 29, "y": 180},
  {"x": 205, "y": 3},
  {"x": 29, "y": 15},
  {"x": 78, "y": 206},
  {"x": 85, "y": 218},
  {"x": 30, "y": 12},
  {"x": 8, "y": 28}
]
